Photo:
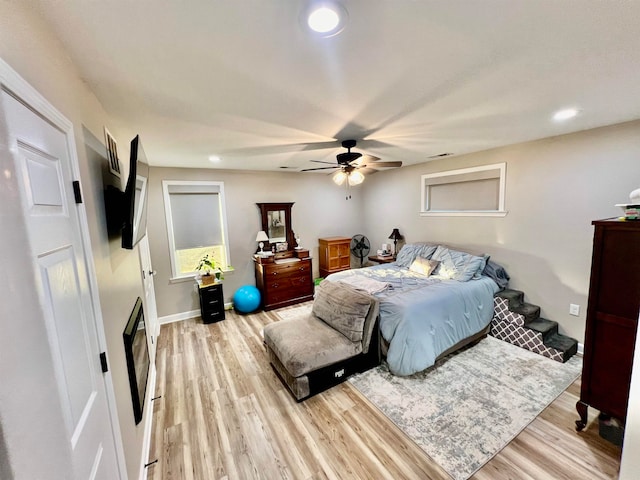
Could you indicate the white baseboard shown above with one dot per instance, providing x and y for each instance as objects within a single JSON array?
[
  {"x": 177, "y": 317},
  {"x": 148, "y": 424}
]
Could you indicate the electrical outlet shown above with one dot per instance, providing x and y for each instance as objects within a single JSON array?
[{"x": 574, "y": 309}]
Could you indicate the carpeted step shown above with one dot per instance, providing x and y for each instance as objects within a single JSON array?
[
  {"x": 515, "y": 297},
  {"x": 519, "y": 323},
  {"x": 518, "y": 305},
  {"x": 555, "y": 347},
  {"x": 562, "y": 343},
  {"x": 529, "y": 311},
  {"x": 547, "y": 328}
]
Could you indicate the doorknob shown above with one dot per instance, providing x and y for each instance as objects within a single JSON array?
[{"x": 150, "y": 272}]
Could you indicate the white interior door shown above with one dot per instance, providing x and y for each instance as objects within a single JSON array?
[
  {"x": 43, "y": 166},
  {"x": 150, "y": 311}
]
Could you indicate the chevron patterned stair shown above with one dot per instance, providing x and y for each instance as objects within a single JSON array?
[{"x": 519, "y": 323}]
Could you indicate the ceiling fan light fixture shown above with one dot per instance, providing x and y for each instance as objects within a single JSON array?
[
  {"x": 355, "y": 178},
  {"x": 339, "y": 177}
]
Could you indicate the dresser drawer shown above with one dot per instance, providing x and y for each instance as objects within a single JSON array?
[
  {"x": 287, "y": 270},
  {"x": 212, "y": 316},
  {"x": 279, "y": 294},
  {"x": 300, "y": 284},
  {"x": 212, "y": 304}
]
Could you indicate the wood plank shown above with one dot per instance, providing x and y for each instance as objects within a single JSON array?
[{"x": 224, "y": 413}]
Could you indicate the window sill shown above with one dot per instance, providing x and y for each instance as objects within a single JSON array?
[
  {"x": 192, "y": 277},
  {"x": 188, "y": 278},
  {"x": 465, "y": 213}
]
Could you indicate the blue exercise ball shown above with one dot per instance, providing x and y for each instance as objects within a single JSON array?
[{"x": 246, "y": 299}]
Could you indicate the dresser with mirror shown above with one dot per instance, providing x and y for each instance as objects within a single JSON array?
[{"x": 284, "y": 277}]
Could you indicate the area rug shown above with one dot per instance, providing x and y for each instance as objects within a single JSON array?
[{"x": 472, "y": 404}]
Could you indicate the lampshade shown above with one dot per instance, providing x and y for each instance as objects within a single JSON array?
[
  {"x": 262, "y": 237},
  {"x": 355, "y": 178},
  {"x": 339, "y": 177},
  {"x": 395, "y": 235}
]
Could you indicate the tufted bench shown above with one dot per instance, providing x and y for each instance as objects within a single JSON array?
[{"x": 338, "y": 338}]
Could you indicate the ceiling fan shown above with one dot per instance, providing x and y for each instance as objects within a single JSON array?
[{"x": 352, "y": 166}]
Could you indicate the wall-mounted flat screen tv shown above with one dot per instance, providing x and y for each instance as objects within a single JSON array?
[
  {"x": 135, "y": 196},
  {"x": 137, "y": 353}
]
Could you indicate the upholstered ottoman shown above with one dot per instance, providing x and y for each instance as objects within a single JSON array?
[{"x": 338, "y": 338}]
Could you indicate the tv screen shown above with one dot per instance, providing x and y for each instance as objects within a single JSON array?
[
  {"x": 135, "y": 196},
  {"x": 137, "y": 353}
]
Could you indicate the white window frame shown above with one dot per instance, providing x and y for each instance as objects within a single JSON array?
[
  {"x": 425, "y": 208},
  {"x": 175, "y": 276}
]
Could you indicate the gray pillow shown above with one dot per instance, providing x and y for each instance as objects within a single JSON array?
[
  {"x": 497, "y": 273},
  {"x": 343, "y": 308},
  {"x": 457, "y": 265},
  {"x": 409, "y": 252}
]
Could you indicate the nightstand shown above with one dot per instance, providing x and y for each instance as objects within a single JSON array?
[
  {"x": 375, "y": 258},
  {"x": 211, "y": 303}
]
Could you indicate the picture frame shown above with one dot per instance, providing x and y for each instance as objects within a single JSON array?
[
  {"x": 282, "y": 246},
  {"x": 112, "y": 153}
]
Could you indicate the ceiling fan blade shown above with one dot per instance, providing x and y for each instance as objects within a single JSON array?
[
  {"x": 319, "y": 168},
  {"x": 321, "y": 161},
  {"x": 370, "y": 158},
  {"x": 383, "y": 164}
]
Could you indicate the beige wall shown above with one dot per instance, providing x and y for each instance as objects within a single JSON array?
[
  {"x": 320, "y": 210},
  {"x": 30, "y": 436},
  {"x": 555, "y": 188}
]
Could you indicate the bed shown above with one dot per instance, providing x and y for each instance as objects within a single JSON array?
[{"x": 427, "y": 312}]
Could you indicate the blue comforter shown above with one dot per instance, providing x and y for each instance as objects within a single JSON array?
[{"x": 422, "y": 316}]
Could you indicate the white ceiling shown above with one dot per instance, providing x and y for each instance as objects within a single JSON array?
[{"x": 408, "y": 79}]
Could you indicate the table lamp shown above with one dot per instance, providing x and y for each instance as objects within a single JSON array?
[
  {"x": 261, "y": 237},
  {"x": 395, "y": 236}
]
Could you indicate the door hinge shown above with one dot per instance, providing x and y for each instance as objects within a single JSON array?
[
  {"x": 103, "y": 362},
  {"x": 76, "y": 191}
]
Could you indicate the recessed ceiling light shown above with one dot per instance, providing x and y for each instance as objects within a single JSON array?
[
  {"x": 565, "y": 114},
  {"x": 325, "y": 18},
  {"x": 214, "y": 158}
]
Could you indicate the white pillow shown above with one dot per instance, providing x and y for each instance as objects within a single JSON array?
[{"x": 424, "y": 266}]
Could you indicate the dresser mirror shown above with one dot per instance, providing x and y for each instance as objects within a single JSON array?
[{"x": 276, "y": 222}]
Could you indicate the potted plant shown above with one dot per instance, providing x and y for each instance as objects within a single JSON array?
[{"x": 209, "y": 270}]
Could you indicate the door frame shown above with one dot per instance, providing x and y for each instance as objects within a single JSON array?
[{"x": 13, "y": 83}]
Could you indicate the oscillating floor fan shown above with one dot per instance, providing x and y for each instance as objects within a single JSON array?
[{"x": 360, "y": 247}]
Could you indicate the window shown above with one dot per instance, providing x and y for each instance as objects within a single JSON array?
[
  {"x": 476, "y": 191},
  {"x": 196, "y": 224}
]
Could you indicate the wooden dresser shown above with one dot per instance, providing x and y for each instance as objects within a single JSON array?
[
  {"x": 334, "y": 254},
  {"x": 283, "y": 280},
  {"x": 612, "y": 319}
]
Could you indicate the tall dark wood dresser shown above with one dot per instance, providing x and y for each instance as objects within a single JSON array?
[{"x": 612, "y": 319}]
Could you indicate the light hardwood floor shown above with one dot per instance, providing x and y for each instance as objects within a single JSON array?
[{"x": 223, "y": 413}]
